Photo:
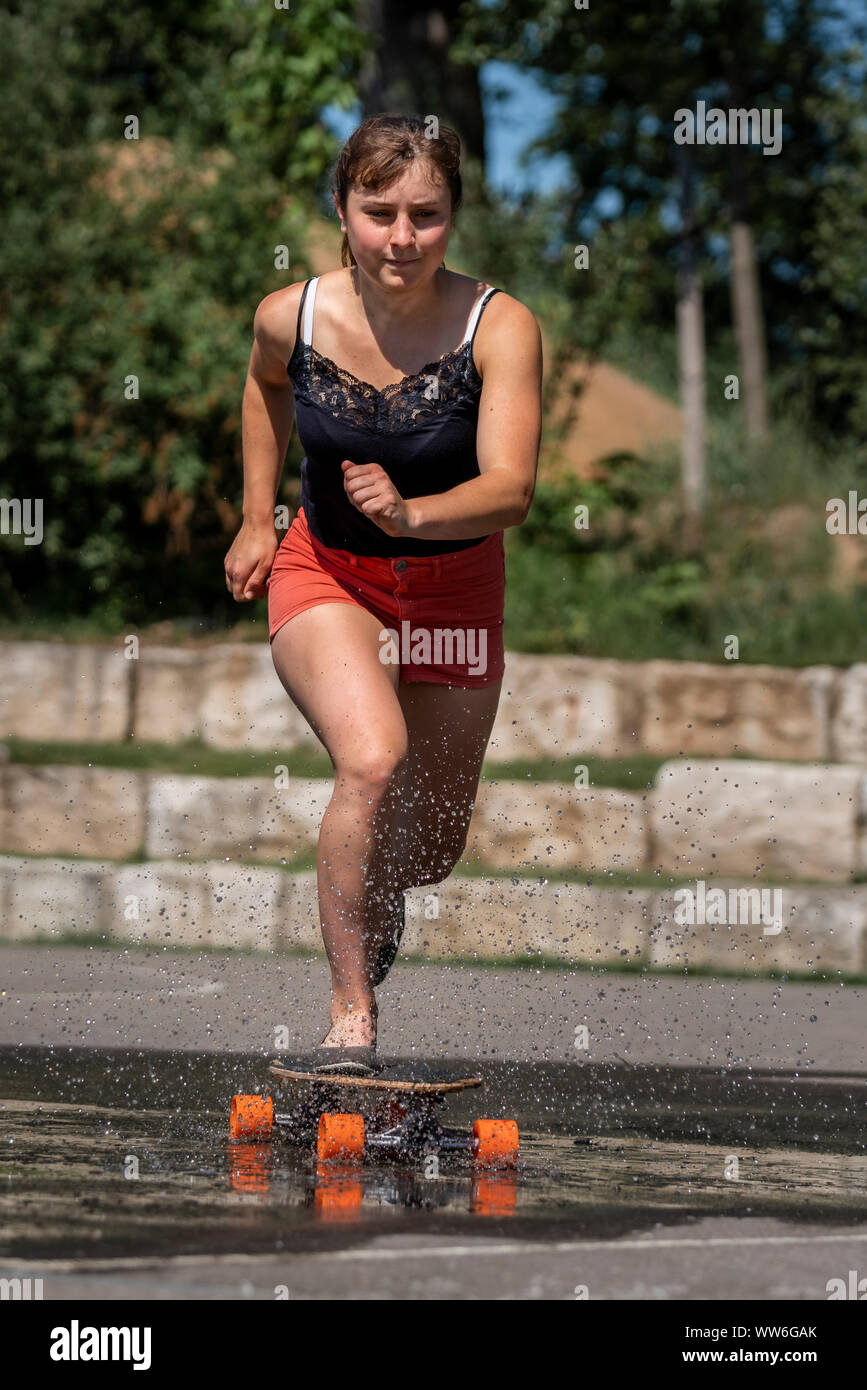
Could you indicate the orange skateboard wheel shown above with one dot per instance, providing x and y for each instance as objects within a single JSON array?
[
  {"x": 251, "y": 1117},
  {"x": 495, "y": 1143},
  {"x": 340, "y": 1136}
]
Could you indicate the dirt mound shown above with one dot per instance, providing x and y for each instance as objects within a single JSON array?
[{"x": 615, "y": 413}]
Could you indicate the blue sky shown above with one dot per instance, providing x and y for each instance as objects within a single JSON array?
[{"x": 511, "y": 124}]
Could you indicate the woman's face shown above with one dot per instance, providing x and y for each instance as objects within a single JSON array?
[{"x": 399, "y": 234}]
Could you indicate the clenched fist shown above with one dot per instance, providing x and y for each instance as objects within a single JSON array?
[
  {"x": 369, "y": 488},
  {"x": 249, "y": 561}
]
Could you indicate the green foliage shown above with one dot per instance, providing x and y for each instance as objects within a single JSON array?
[
  {"x": 621, "y": 72},
  {"x": 639, "y": 585},
  {"x": 146, "y": 259},
  {"x": 143, "y": 259},
  {"x": 836, "y": 336},
  {"x": 291, "y": 63}
]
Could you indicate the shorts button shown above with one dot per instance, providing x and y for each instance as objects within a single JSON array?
[{"x": 400, "y": 564}]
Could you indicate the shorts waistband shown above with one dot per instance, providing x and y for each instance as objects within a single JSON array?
[{"x": 397, "y": 564}]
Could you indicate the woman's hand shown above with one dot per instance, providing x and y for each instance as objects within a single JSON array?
[
  {"x": 369, "y": 488},
  {"x": 249, "y": 561}
]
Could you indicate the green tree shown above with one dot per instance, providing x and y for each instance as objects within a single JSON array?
[
  {"x": 835, "y": 338},
  {"x": 622, "y": 72},
  {"x": 142, "y": 259}
]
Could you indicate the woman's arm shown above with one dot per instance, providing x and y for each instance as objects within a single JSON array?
[
  {"x": 268, "y": 413},
  {"x": 268, "y": 409},
  {"x": 509, "y": 358}
]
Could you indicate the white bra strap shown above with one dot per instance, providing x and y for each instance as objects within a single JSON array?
[
  {"x": 307, "y": 320},
  {"x": 474, "y": 316},
  {"x": 307, "y": 323}
]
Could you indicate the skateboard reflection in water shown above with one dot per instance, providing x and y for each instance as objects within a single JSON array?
[{"x": 408, "y": 484}]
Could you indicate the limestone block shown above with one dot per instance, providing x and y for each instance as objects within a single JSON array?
[
  {"x": 729, "y": 816},
  {"x": 549, "y": 826},
  {"x": 64, "y": 691},
  {"x": 754, "y": 928},
  {"x": 557, "y": 706},
  {"x": 194, "y": 904},
  {"x": 95, "y": 812},
  {"x": 499, "y": 918},
  {"x": 49, "y": 897},
  {"x": 849, "y": 727},
  {"x": 170, "y": 692},
  {"x": 246, "y": 817},
  {"x": 245, "y": 706},
  {"x": 767, "y": 711}
]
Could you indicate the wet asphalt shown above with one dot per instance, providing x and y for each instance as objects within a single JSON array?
[{"x": 707, "y": 1143}]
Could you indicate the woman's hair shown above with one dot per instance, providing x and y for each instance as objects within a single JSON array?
[{"x": 377, "y": 153}]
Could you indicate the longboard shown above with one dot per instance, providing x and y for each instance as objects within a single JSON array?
[{"x": 391, "y": 1112}]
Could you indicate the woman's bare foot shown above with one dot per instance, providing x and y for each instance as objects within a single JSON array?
[{"x": 351, "y": 1027}]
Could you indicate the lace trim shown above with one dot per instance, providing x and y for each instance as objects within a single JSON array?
[{"x": 400, "y": 405}]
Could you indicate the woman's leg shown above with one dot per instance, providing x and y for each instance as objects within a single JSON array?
[
  {"x": 448, "y": 728},
  {"x": 327, "y": 658}
]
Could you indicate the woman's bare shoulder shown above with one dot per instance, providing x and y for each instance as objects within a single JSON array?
[
  {"x": 276, "y": 320},
  {"x": 501, "y": 309},
  {"x": 507, "y": 327},
  {"x": 507, "y": 309}
]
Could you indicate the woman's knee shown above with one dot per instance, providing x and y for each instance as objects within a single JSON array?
[{"x": 373, "y": 769}]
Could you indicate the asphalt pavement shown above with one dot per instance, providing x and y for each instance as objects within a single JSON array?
[{"x": 703, "y": 1139}]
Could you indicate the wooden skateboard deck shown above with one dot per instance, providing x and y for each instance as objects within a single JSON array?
[{"x": 402, "y": 1079}]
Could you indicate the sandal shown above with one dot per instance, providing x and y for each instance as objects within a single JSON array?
[{"x": 357, "y": 1061}]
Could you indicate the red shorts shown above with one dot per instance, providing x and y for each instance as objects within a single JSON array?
[{"x": 442, "y": 615}]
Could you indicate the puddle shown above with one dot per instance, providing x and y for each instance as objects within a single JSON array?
[{"x": 105, "y": 1154}]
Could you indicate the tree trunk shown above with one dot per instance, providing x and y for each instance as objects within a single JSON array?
[
  {"x": 690, "y": 345},
  {"x": 749, "y": 329},
  {"x": 746, "y": 297},
  {"x": 409, "y": 70}
]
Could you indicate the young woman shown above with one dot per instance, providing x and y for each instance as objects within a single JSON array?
[{"x": 416, "y": 393}]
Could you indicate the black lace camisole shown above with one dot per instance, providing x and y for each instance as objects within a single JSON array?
[{"x": 421, "y": 430}]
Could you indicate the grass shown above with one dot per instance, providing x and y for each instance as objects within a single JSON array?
[
  {"x": 304, "y": 861},
  {"x": 760, "y": 574},
  {"x": 635, "y": 586},
  {"x": 635, "y": 878},
  {"x": 195, "y": 758},
  {"x": 192, "y": 757},
  {"x": 101, "y": 628},
  {"x": 638, "y": 586}
]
